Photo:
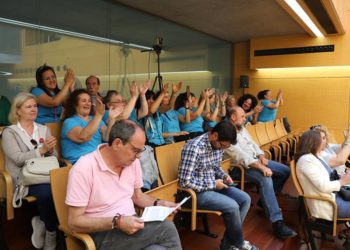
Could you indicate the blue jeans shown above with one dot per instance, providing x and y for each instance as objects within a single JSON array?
[
  {"x": 45, "y": 205},
  {"x": 234, "y": 205},
  {"x": 268, "y": 186}
]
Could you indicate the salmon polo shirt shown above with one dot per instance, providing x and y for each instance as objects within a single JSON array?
[{"x": 93, "y": 185}]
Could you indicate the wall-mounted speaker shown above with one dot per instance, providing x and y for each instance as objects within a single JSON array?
[{"x": 244, "y": 81}]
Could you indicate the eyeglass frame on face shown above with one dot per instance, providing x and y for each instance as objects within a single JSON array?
[
  {"x": 136, "y": 150},
  {"x": 119, "y": 102},
  {"x": 223, "y": 146}
]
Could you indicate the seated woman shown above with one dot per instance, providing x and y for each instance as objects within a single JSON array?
[
  {"x": 152, "y": 123},
  {"x": 335, "y": 155},
  {"x": 249, "y": 104},
  {"x": 48, "y": 96},
  {"x": 314, "y": 176},
  {"x": 195, "y": 127},
  {"x": 24, "y": 140},
  {"x": 81, "y": 133},
  {"x": 269, "y": 106},
  {"x": 170, "y": 118},
  {"x": 115, "y": 100}
]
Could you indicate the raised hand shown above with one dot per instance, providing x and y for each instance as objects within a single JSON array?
[
  {"x": 114, "y": 112},
  {"x": 134, "y": 90},
  {"x": 69, "y": 78},
  {"x": 131, "y": 224},
  {"x": 223, "y": 97},
  {"x": 188, "y": 91},
  {"x": 176, "y": 87},
  {"x": 165, "y": 88},
  {"x": 144, "y": 87},
  {"x": 100, "y": 107},
  {"x": 211, "y": 91}
]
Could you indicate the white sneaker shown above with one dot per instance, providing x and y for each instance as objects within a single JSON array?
[
  {"x": 38, "y": 236},
  {"x": 248, "y": 246},
  {"x": 50, "y": 240}
]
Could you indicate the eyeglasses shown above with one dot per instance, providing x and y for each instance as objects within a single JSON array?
[
  {"x": 137, "y": 150},
  {"x": 119, "y": 102},
  {"x": 224, "y": 146},
  {"x": 34, "y": 143},
  {"x": 315, "y": 127},
  {"x": 49, "y": 78}
]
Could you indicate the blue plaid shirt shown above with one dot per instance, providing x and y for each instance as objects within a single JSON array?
[{"x": 200, "y": 165}]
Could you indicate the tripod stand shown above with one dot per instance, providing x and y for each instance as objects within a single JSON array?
[
  {"x": 126, "y": 52},
  {"x": 158, "y": 49},
  {"x": 158, "y": 77}
]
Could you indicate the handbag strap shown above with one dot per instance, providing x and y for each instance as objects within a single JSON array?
[{"x": 326, "y": 166}]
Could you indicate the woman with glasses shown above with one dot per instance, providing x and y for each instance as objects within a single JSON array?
[
  {"x": 81, "y": 133},
  {"x": 249, "y": 104},
  {"x": 115, "y": 100},
  {"x": 269, "y": 106},
  {"x": 24, "y": 140},
  {"x": 334, "y": 154},
  {"x": 314, "y": 176},
  {"x": 49, "y": 96}
]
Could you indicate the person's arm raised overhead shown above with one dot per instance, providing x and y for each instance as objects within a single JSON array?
[
  {"x": 342, "y": 155},
  {"x": 205, "y": 93},
  {"x": 113, "y": 116},
  {"x": 175, "y": 89},
  {"x": 155, "y": 105},
  {"x": 130, "y": 105},
  {"x": 278, "y": 102},
  {"x": 143, "y": 111},
  {"x": 49, "y": 101},
  {"x": 223, "y": 98}
]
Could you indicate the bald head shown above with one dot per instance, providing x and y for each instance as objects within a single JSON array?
[{"x": 236, "y": 115}]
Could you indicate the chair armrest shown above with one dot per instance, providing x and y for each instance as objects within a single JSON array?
[
  {"x": 241, "y": 169},
  {"x": 9, "y": 194},
  {"x": 84, "y": 238},
  {"x": 193, "y": 208}
]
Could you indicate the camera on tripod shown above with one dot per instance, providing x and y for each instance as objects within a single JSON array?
[{"x": 158, "y": 45}]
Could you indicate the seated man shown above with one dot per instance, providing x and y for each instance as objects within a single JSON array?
[
  {"x": 200, "y": 170},
  {"x": 270, "y": 176},
  {"x": 104, "y": 186}
]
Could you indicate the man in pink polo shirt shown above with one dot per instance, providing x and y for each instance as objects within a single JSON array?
[{"x": 103, "y": 188}]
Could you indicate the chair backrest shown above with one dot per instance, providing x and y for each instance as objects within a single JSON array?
[
  {"x": 226, "y": 165},
  {"x": 260, "y": 129},
  {"x": 55, "y": 128},
  {"x": 59, "y": 180},
  {"x": 270, "y": 130},
  {"x": 279, "y": 127},
  {"x": 2, "y": 168},
  {"x": 296, "y": 182},
  {"x": 251, "y": 130},
  {"x": 168, "y": 159}
]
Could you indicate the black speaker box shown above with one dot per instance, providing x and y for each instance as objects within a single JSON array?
[{"x": 244, "y": 81}]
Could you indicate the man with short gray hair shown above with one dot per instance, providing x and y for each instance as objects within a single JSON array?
[{"x": 103, "y": 188}]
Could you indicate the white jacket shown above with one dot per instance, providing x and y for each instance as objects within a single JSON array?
[{"x": 314, "y": 179}]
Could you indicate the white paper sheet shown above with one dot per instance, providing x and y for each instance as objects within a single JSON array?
[{"x": 159, "y": 213}]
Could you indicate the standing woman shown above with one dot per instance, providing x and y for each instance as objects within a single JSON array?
[
  {"x": 270, "y": 107},
  {"x": 48, "y": 96},
  {"x": 23, "y": 140}
]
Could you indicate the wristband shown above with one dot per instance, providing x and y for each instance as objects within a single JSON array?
[
  {"x": 116, "y": 221},
  {"x": 155, "y": 203}
]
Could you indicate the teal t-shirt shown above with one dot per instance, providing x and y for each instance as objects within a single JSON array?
[{"x": 47, "y": 114}]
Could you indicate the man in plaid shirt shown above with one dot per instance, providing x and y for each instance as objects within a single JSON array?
[{"x": 200, "y": 170}]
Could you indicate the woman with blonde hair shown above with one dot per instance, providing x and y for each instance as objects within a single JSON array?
[{"x": 24, "y": 140}]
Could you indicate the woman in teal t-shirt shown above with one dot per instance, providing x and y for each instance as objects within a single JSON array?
[
  {"x": 270, "y": 107},
  {"x": 48, "y": 96}
]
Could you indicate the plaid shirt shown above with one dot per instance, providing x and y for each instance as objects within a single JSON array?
[{"x": 200, "y": 165}]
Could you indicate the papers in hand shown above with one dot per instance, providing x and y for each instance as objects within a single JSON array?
[{"x": 159, "y": 213}]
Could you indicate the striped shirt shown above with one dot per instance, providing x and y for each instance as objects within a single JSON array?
[{"x": 200, "y": 165}]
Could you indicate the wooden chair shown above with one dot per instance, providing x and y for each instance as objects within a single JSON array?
[
  {"x": 55, "y": 128},
  {"x": 74, "y": 241},
  {"x": 280, "y": 141},
  {"x": 252, "y": 132},
  {"x": 312, "y": 223},
  {"x": 168, "y": 159},
  {"x": 282, "y": 133},
  {"x": 165, "y": 192},
  {"x": 266, "y": 142},
  {"x": 6, "y": 187}
]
